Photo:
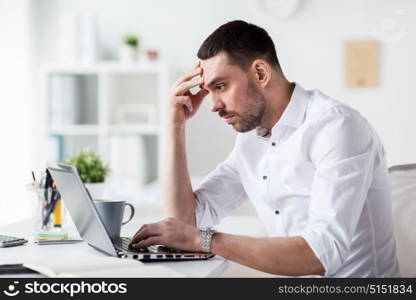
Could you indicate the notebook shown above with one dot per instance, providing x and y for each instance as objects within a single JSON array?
[{"x": 98, "y": 267}]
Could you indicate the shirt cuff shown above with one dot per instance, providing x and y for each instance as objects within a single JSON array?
[
  {"x": 324, "y": 250},
  {"x": 203, "y": 214}
]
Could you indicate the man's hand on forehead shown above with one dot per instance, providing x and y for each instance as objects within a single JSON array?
[
  {"x": 184, "y": 102},
  {"x": 201, "y": 72},
  {"x": 201, "y": 86}
]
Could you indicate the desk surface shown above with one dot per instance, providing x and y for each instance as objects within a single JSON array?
[{"x": 30, "y": 251}]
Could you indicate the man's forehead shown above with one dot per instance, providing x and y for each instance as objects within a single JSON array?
[
  {"x": 218, "y": 63},
  {"x": 214, "y": 67}
]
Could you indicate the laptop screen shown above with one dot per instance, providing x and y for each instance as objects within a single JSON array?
[{"x": 80, "y": 206}]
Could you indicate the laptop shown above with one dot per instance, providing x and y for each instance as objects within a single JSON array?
[{"x": 87, "y": 220}]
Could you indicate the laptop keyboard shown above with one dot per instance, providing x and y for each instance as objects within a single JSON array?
[{"x": 123, "y": 244}]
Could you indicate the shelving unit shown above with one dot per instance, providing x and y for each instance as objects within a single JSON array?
[{"x": 116, "y": 110}]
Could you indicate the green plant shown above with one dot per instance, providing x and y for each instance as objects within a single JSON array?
[
  {"x": 90, "y": 166},
  {"x": 131, "y": 40}
]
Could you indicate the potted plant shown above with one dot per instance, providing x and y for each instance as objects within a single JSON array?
[
  {"x": 92, "y": 171},
  {"x": 129, "y": 50}
]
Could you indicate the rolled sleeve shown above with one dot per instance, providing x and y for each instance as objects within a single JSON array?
[
  {"x": 345, "y": 156},
  {"x": 220, "y": 193}
]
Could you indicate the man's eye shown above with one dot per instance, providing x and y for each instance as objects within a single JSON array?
[{"x": 220, "y": 86}]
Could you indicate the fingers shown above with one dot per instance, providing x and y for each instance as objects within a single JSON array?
[
  {"x": 189, "y": 75},
  {"x": 194, "y": 71},
  {"x": 186, "y": 101},
  {"x": 146, "y": 231},
  {"x": 184, "y": 87},
  {"x": 201, "y": 94},
  {"x": 196, "y": 100},
  {"x": 153, "y": 240},
  {"x": 135, "y": 235}
]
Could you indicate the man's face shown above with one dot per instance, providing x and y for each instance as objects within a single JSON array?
[{"x": 235, "y": 96}]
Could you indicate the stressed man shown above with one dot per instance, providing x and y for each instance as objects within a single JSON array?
[{"x": 313, "y": 168}]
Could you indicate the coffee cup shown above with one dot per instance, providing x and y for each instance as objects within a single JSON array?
[{"x": 111, "y": 213}]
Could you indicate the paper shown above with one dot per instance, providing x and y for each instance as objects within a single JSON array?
[
  {"x": 99, "y": 267},
  {"x": 147, "y": 271},
  {"x": 53, "y": 266},
  {"x": 362, "y": 63}
]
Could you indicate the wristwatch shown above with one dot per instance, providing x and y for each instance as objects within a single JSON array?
[{"x": 207, "y": 234}]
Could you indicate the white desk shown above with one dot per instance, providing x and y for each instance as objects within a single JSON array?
[{"x": 208, "y": 268}]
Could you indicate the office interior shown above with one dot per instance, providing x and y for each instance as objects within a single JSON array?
[{"x": 68, "y": 84}]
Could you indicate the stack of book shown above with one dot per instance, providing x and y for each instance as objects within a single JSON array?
[{"x": 51, "y": 236}]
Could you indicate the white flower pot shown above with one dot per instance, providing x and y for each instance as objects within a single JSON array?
[{"x": 128, "y": 53}]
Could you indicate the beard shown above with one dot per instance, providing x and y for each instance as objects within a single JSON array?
[{"x": 252, "y": 113}]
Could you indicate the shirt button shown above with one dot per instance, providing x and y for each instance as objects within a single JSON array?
[
  {"x": 273, "y": 144},
  {"x": 277, "y": 212},
  {"x": 264, "y": 177}
]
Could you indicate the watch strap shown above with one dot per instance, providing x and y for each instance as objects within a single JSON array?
[{"x": 207, "y": 234}]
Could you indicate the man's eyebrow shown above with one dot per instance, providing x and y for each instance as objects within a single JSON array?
[{"x": 215, "y": 81}]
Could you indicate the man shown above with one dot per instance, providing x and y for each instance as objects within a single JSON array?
[{"x": 312, "y": 167}]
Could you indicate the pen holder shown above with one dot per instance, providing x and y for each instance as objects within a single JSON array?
[
  {"x": 49, "y": 220},
  {"x": 42, "y": 223},
  {"x": 49, "y": 210}
]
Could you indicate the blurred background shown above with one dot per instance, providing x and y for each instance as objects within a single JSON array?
[{"x": 94, "y": 74}]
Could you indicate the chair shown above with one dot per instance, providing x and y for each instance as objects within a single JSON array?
[{"x": 403, "y": 192}]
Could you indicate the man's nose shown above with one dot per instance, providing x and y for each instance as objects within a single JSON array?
[{"x": 217, "y": 104}]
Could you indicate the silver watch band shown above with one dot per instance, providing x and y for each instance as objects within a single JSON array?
[{"x": 207, "y": 234}]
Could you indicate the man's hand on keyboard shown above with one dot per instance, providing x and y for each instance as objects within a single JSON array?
[{"x": 169, "y": 232}]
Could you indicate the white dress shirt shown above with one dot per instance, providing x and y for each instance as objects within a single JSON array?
[{"x": 321, "y": 175}]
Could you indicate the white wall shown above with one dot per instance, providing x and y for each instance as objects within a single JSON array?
[
  {"x": 15, "y": 98},
  {"x": 309, "y": 44}
]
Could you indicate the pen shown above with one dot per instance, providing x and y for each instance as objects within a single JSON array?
[
  {"x": 57, "y": 210},
  {"x": 57, "y": 214}
]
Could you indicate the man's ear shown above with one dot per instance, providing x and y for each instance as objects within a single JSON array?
[{"x": 262, "y": 72}]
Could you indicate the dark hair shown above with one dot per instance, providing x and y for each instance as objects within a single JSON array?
[{"x": 242, "y": 42}]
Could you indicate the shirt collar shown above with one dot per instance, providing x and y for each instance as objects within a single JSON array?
[{"x": 294, "y": 113}]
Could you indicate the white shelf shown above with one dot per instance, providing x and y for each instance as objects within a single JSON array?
[
  {"x": 134, "y": 129},
  {"x": 109, "y": 67},
  {"x": 124, "y": 129},
  {"x": 106, "y": 101},
  {"x": 75, "y": 130}
]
